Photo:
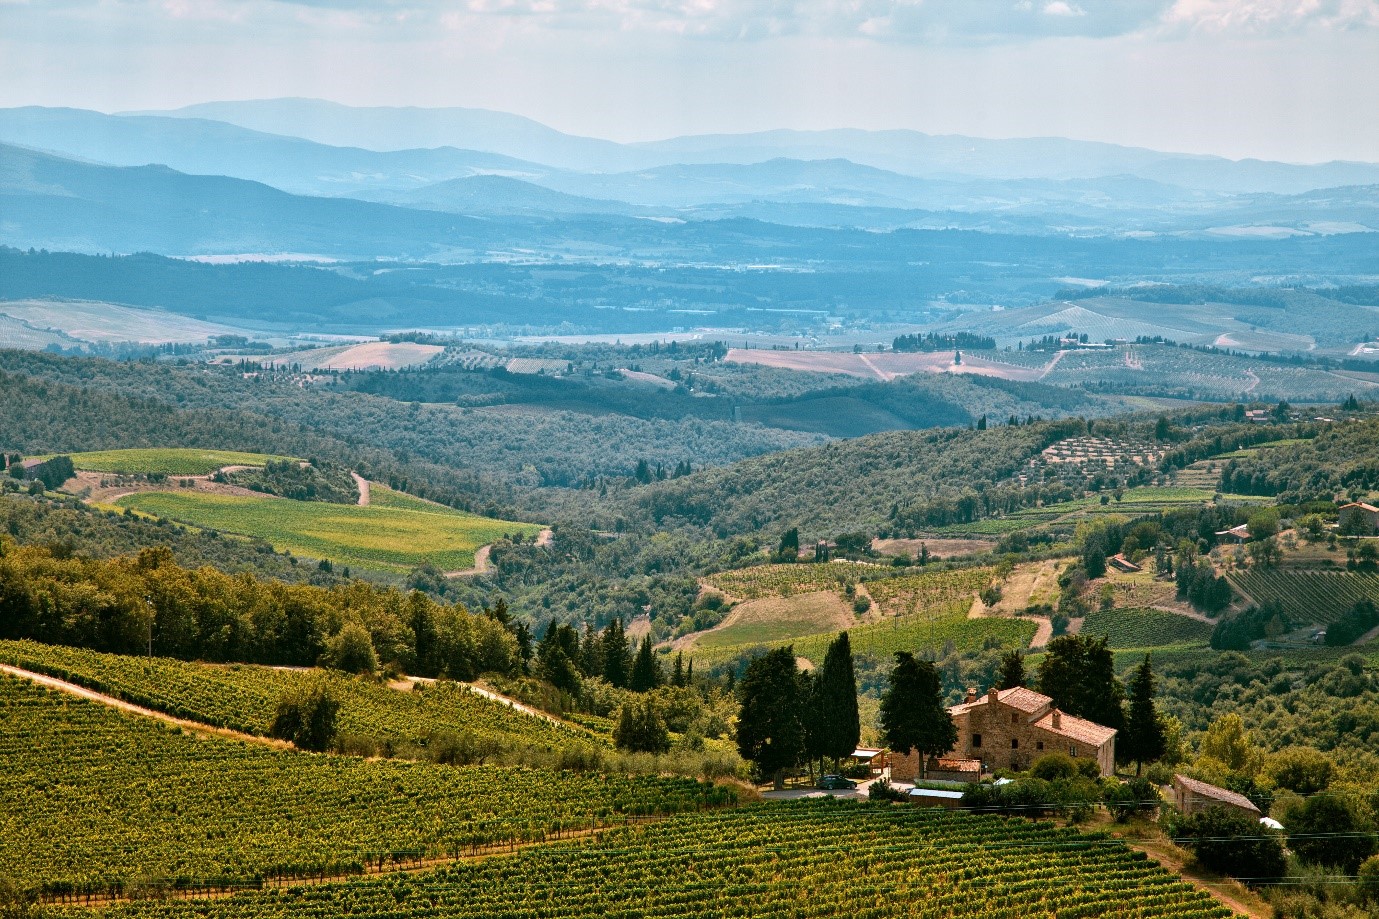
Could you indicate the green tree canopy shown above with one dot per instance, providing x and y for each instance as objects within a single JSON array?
[
  {"x": 913, "y": 716},
  {"x": 770, "y": 731}
]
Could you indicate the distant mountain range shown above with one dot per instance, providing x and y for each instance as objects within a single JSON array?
[{"x": 907, "y": 152}]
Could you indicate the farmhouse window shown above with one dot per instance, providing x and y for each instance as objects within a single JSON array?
[
  {"x": 976, "y": 741},
  {"x": 1014, "y": 719},
  {"x": 1014, "y": 743},
  {"x": 1072, "y": 751},
  {"x": 1038, "y": 745}
]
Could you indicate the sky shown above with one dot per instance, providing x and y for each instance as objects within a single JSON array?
[{"x": 1292, "y": 80}]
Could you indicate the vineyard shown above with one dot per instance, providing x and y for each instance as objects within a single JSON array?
[
  {"x": 167, "y": 461},
  {"x": 936, "y": 594},
  {"x": 801, "y": 859},
  {"x": 1145, "y": 628},
  {"x": 1307, "y": 596},
  {"x": 244, "y": 698},
  {"x": 382, "y": 537},
  {"x": 95, "y": 799},
  {"x": 787, "y": 580}
]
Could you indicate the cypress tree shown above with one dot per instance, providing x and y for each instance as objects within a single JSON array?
[
  {"x": 617, "y": 662},
  {"x": 677, "y": 675},
  {"x": 1012, "y": 670},
  {"x": 839, "y": 727},
  {"x": 1143, "y": 740},
  {"x": 646, "y": 670}
]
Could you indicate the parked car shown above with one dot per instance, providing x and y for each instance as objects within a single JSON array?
[{"x": 836, "y": 783}]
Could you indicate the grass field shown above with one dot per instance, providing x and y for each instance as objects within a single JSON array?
[
  {"x": 383, "y": 496},
  {"x": 1145, "y": 628},
  {"x": 167, "y": 461},
  {"x": 388, "y": 538}
]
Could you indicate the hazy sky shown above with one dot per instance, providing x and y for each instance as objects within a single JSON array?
[{"x": 1284, "y": 79}]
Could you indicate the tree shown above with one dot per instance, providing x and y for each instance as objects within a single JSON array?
[
  {"x": 640, "y": 728},
  {"x": 351, "y": 650},
  {"x": 1143, "y": 740},
  {"x": 913, "y": 716},
  {"x": 836, "y": 727},
  {"x": 770, "y": 732},
  {"x": 677, "y": 674},
  {"x": 646, "y": 670},
  {"x": 1228, "y": 742},
  {"x": 1078, "y": 673},
  {"x": 1263, "y": 524},
  {"x": 306, "y": 716},
  {"x": 1012, "y": 670},
  {"x": 1231, "y": 843},
  {"x": 1326, "y": 829},
  {"x": 789, "y": 548},
  {"x": 1303, "y": 770},
  {"x": 617, "y": 661}
]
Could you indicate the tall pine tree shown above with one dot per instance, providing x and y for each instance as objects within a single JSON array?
[
  {"x": 1079, "y": 674},
  {"x": 617, "y": 659}
]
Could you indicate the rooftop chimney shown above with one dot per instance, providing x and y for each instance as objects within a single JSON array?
[
  {"x": 971, "y": 694},
  {"x": 993, "y": 695},
  {"x": 1057, "y": 720}
]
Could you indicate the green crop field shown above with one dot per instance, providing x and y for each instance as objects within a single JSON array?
[
  {"x": 804, "y": 859},
  {"x": 169, "y": 461},
  {"x": 95, "y": 799},
  {"x": 1307, "y": 596},
  {"x": 244, "y": 698},
  {"x": 389, "y": 538},
  {"x": 1145, "y": 628},
  {"x": 383, "y": 496}
]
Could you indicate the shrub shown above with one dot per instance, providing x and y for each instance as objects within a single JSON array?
[
  {"x": 351, "y": 650},
  {"x": 883, "y": 790},
  {"x": 1229, "y": 842},
  {"x": 1054, "y": 766},
  {"x": 307, "y": 716}
]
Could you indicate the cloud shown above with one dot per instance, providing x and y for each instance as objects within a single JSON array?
[
  {"x": 937, "y": 21},
  {"x": 1272, "y": 16}
]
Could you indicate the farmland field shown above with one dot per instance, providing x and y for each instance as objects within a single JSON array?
[
  {"x": 802, "y": 859},
  {"x": 167, "y": 461},
  {"x": 1144, "y": 628},
  {"x": 883, "y": 365},
  {"x": 95, "y": 799},
  {"x": 374, "y": 355},
  {"x": 1307, "y": 596},
  {"x": 85, "y": 320},
  {"x": 390, "y": 538},
  {"x": 244, "y": 698}
]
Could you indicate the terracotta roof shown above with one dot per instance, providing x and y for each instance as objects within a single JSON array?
[
  {"x": 1078, "y": 729},
  {"x": 1021, "y": 698},
  {"x": 1216, "y": 794},
  {"x": 1361, "y": 505}
]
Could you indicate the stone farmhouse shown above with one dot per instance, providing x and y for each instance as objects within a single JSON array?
[
  {"x": 1011, "y": 728},
  {"x": 1367, "y": 512},
  {"x": 1191, "y": 796}
]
